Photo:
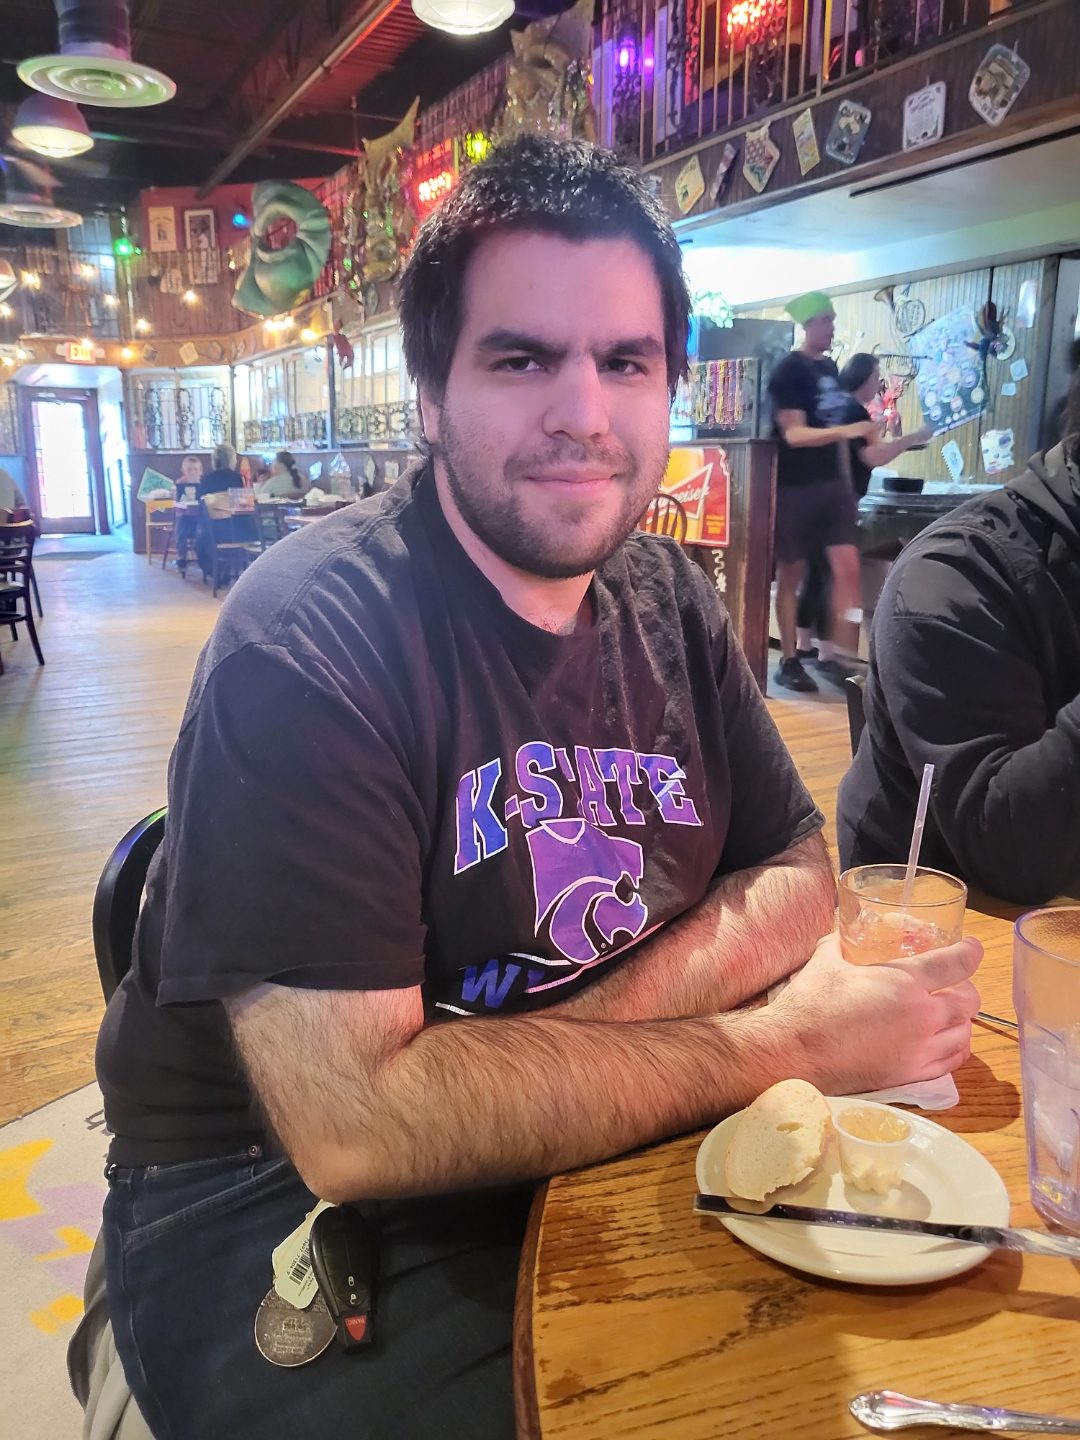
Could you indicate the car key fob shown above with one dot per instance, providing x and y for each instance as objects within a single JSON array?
[{"x": 343, "y": 1258}]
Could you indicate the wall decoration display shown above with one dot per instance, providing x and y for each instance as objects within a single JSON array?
[
  {"x": 949, "y": 380},
  {"x": 161, "y": 223},
  {"x": 1027, "y": 306},
  {"x": 1018, "y": 369},
  {"x": 172, "y": 281},
  {"x": 689, "y": 185},
  {"x": 149, "y": 354},
  {"x": 724, "y": 172},
  {"x": 924, "y": 116},
  {"x": 953, "y": 457},
  {"x": 200, "y": 230},
  {"x": 760, "y": 154},
  {"x": 188, "y": 353},
  {"x": 997, "y": 450},
  {"x": 275, "y": 279},
  {"x": 1009, "y": 387},
  {"x": 997, "y": 82},
  {"x": 154, "y": 485},
  {"x": 806, "y": 146},
  {"x": 700, "y": 479},
  {"x": 389, "y": 219},
  {"x": 848, "y": 132},
  {"x": 549, "y": 83},
  {"x": 215, "y": 351}
]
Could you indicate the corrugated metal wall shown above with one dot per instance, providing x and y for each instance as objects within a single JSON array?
[{"x": 863, "y": 323}]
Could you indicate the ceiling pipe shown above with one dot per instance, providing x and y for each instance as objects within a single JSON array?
[{"x": 347, "y": 38}]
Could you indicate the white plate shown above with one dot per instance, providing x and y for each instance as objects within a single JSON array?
[{"x": 945, "y": 1179}]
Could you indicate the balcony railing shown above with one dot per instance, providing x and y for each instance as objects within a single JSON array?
[
  {"x": 669, "y": 72},
  {"x": 167, "y": 413},
  {"x": 308, "y": 428},
  {"x": 394, "y": 424}
]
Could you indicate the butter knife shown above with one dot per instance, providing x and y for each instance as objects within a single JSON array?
[{"x": 994, "y": 1237}]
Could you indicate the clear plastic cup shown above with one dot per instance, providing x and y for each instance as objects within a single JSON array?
[
  {"x": 874, "y": 1142},
  {"x": 875, "y": 926},
  {"x": 1046, "y": 993}
]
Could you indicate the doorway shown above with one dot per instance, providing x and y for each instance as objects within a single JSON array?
[{"x": 65, "y": 461}]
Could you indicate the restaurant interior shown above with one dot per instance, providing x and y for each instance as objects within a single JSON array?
[{"x": 205, "y": 216}]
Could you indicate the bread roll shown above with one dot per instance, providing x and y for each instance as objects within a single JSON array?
[{"x": 778, "y": 1141}]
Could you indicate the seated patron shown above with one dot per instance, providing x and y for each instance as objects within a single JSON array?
[
  {"x": 223, "y": 473},
  {"x": 285, "y": 477},
  {"x": 975, "y": 666},
  {"x": 11, "y": 497},
  {"x": 479, "y": 830}
]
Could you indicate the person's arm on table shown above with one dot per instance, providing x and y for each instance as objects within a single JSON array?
[
  {"x": 750, "y": 930},
  {"x": 964, "y": 693},
  {"x": 800, "y": 435},
  {"x": 368, "y": 1102}
]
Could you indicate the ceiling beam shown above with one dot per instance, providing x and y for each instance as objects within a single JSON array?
[{"x": 346, "y": 39}]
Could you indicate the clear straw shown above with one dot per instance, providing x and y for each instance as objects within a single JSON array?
[{"x": 916, "y": 836}]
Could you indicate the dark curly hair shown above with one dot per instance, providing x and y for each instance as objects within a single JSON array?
[{"x": 566, "y": 188}]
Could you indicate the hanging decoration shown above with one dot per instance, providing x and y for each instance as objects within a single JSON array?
[
  {"x": 710, "y": 305},
  {"x": 997, "y": 82},
  {"x": 435, "y": 173},
  {"x": 754, "y": 22},
  {"x": 549, "y": 84},
  {"x": 760, "y": 155},
  {"x": 997, "y": 450},
  {"x": 717, "y": 394},
  {"x": 689, "y": 185},
  {"x": 848, "y": 132},
  {"x": 924, "y": 116},
  {"x": 951, "y": 389},
  {"x": 806, "y": 146},
  {"x": 342, "y": 345},
  {"x": 276, "y": 279},
  {"x": 724, "y": 172},
  {"x": 389, "y": 219}
]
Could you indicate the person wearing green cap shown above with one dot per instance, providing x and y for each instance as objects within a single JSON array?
[{"x": 815, "y": 502}]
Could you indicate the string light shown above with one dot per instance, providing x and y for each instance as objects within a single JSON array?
[
  {"x": 127, "y": 353},
  {"x": 190, "y": 298},
  {"x": 6, "y": 311},
  {"x": 31, "y": 280},
  {"x": 752, "y": 21},
  {"x": 143, "y": 326},
  {"x": 8, "y": 360},
  {"x": 123, "y": 246},
  {"x": 308, "y": 335},
  {"x": 111, "y": 301}
]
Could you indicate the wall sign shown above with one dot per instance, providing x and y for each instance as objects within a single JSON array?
[
  {"x": 701, "y": 482},
  {"x": 161, "y": 221},
  {"x": 723, "y": 172},
  {"x": 689, "y": 185},
  {"x": 806, "y": 146},
  {"x": 760, "y": 155},
  {"x": 997, "y": 82},
  {"x": 848, "y": 132},
  {"x": 924, "y": 116}
]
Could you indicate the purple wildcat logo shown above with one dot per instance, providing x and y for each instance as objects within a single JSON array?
[{"x": 586, "y": 886}]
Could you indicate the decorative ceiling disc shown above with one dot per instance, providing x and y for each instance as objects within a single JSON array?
[
  {"x": 97, "y": 80},
  {"x": 36, "y": 215}
]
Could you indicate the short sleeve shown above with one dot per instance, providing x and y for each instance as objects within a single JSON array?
[{"x": 293, "y": 840}]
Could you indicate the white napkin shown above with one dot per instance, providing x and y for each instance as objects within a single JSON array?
[{"x": 940, "y": 1094}]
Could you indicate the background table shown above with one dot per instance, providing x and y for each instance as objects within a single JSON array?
[{"x": 638, "y": 1318}]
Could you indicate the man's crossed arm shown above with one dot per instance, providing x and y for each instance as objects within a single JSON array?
[{"x": 370, "y": 1102}]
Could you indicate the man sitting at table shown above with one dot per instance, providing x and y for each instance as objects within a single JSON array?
[
  {"x": 479, "y": 831},
  {"x": 975, "y": 666}
]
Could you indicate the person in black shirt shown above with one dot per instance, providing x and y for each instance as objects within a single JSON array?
[
  {"x": 815, "y": 505},
  {"x": 223, "y": 474},
  {"x": 478, "y": 830}
]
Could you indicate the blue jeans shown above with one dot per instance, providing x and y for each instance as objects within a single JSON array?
[{"x": 188, "y": 1261}]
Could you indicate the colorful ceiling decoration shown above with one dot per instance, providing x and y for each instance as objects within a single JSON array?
[
  {"x": 389, "y": 219},
  {"x": 275, "y": 279}
]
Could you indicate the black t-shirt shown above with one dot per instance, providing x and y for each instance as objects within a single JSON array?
[
  {"x": 812, "y": 386},
  {"x": 385, "y": 778},
  {"x": 860, "y": 471}
]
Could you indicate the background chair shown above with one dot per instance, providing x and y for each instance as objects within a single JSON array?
[
  {"x": 665, "y": 516},
  {"x": 854, "y": 688},
  {"x": 269, "y": 523},
  {"x": 118, "y": 897},
  {"x": 159, "y": 517},
  {"x": 16, "y": 575},
  {"x": 230, "y": 541}
]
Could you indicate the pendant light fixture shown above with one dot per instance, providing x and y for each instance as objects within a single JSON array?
[
  {"x": 51, "y": 127},
  {"x": 463, "y": 17},
  {"x": 94, "y": 65},
  {"x": 33, "y": 214}
]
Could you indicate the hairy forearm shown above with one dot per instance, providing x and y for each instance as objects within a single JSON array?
[
  {"x": 751, "y": 929},
  {"x": 484, "y": 1102}
]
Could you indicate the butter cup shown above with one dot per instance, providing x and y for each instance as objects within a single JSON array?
[{"x": 873, "y": 1166}]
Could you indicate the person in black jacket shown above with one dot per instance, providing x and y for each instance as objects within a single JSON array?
[
  {"x": 975, "y": 666},
  {"x": 223, "y": 472}
]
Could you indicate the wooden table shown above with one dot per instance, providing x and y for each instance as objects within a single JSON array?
[{"x": 636, "y": 1317}]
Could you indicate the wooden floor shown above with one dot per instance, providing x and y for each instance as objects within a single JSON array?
[{"x": 84, "y": 744}]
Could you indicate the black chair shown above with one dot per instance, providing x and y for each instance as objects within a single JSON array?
[
  {"x": 230, "y": 540},
  {"x": 118, "y": 897},
  {"x": 269, "y": 522},
  {"x": 856, "y": 712},
  {"x": 20, "y": 513},
  {"x": 16, "y": 578}
]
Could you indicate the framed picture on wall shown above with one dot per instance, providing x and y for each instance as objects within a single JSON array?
[
  {"x": 161, "y": 221},
  {"x": 200, "y": 236}
]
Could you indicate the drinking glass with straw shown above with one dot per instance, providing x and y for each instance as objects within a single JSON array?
[{"x": 888, "y": 912}]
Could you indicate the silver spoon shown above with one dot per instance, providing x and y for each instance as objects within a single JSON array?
[{"x": 885, "y": 1410}]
